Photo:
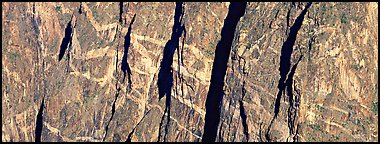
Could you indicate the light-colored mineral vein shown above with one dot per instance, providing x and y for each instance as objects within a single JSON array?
[{"x": 66, "y": 139}]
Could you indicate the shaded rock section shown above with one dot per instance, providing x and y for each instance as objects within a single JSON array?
[
  {"x": 124, "y": 63},
  {"x": 165, "y": 75},
  {"x": 222, "y": 52},
  {"x": 242, "y": 114},
  {"x": 286, "y": 53},
  {"x": 126, "y": 70},
  {"x": 66, "y": 41},
  {"x": 294, "y": 101},
  {"x": 39, "y": 122}
]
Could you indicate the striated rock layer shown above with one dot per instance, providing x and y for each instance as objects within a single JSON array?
[{"x": 141, "y": 71}]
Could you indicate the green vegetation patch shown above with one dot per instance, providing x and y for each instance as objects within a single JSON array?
[
  {"x": 209, "y": 52},
  {"x": 84, "y": 70},
  {"x": 77, "y": 104},
  {"x": 13, "y": 56},
  {"x": 58, "y": 8},
  {"x": 320, "y": 108},
  {"x": 343, "y": 19},
  {"x": 375, "y": 107},
  {"x": 316, "y": 127},
  {"x": 356, "y": 66}
]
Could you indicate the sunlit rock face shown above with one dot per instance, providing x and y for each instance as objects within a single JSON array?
[{"x": 142, "y": 71}]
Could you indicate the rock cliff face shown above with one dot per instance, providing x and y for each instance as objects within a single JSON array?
[{"x": 189, "y": 71}]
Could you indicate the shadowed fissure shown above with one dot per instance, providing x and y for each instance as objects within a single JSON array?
[
  {"x": 124, "y": 63},
  {"x": 66, "y": 41},
  {"x": 39, "y": 118},
  {"x": 129, "y": 139},
  {"x": 286, "y": 52},
  {"x": 243, "y": 115},
  {"x": 121, "y": 12},
  {"x": 125, "y": 68},
  {"x": 66, "y": 44},
  {"x": 165, "y": 75},
  {"x": 222, "y": 52},
  {"x": 39, "y": 122},
  {"x": 80, "y": 8},
  {"x": 293, "y": 101}
]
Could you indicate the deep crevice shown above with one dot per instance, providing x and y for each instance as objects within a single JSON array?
[
  {"x": 112, "y": 112},
  {"x": 288, "y": 18},
  {"x": 222, "y": 52},
  {"x": 124, "y": 63},
  {"x": 121, "y": 12},
  {"x": 34, "y": 8},
  {"x": 275, "y": 18},
  {"x": 124, "y": 68},
  {"x": 66, "y": 41},
  {"x": 35, "y": 25},
  {"x": 242, "y": 113},
  {"x": 244, "y": 120},
  {"x": 39, "y": 122},
  {"x": 180, "y": 61},
  {"x": 39, "y": 118},
  {"x": 80, "y": 8},
  {"x": 286, "y": 52},
  {"x": 129, "y": 139},
  {"x": 293, "y": 104},
  {"x": 165, "y": 75}
]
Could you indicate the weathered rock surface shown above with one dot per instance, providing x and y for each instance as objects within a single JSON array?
[{"x": 63, "y": 69}]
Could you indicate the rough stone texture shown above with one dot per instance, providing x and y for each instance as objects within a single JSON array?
[{"x": 336, "y": 80}]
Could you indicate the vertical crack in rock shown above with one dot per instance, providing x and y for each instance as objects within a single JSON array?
[
  {"x": 297, "y": 101},
  {"x": 124, "y": 65},
  {"x": 121, "y": 12},
  {"x": 66, "y": 41},
  {"x": 124, "y": 68},
  {"x": 260, "y": 132},
  {"x": 34, "y": 8},
  {"x": 113, "y": 112},
  {"x": 114, "y": 37},
  {"x": 310, "y": 43},
  {"x": 242, "y": 113},
  {"x": 288, "y": 18},
  {"x": 35, "y": 25},
  {"x": 39, "y": 119},
  {"x": 129, "y": 139},
  {"x": 80, "y": 8},
  {"x": 39, "y": 122},
  {"x": 293, "y": 104},
  {"x": 180, "y": 59},
  {"x": 165, "y": 75},
  {"x": 222, "y": 52},
  {"x": 275, "y": 18},
  {"x": 38, "y": 56},
  {"x": 286, "y": 52},
  {"x": 66, "y": 44},
  {"x": 37, "y": 71}
]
